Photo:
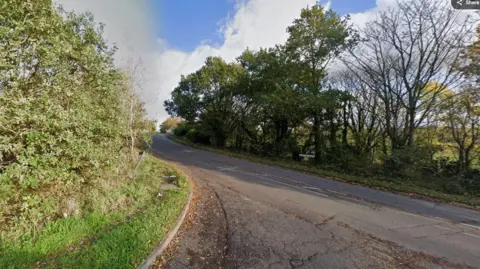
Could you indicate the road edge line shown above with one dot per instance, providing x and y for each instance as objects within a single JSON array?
[{"x": 171, "y": 234}]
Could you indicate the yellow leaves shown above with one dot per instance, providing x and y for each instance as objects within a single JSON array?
[{"x": 434, "y": 88}]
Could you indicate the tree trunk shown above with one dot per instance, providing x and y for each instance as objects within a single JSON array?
[
  {"x": 345, "y": 126},
  {"x": 461, "y": 159},
  {"x": 411, "y": 128},
  {"x": 333, "y": 129},
  {"x": 318, "y": 138},
  {"x": 468, "y": 162}
]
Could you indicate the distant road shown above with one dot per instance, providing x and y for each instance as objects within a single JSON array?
[{"x": 279, "y": 218}]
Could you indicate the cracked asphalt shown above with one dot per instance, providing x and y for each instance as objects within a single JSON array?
[{"x": 276, "y": 218}]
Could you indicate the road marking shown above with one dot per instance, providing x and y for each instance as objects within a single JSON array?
[
  {"x": 471, "y": 226},
  {"x": 446, "y": 220},
  {"x": 444, "y": 228},
  {"x": 283, "y": 183},
  {"x": 341, "y": 193},
  {"x": 308, "y": 187},
  {"x": 311, "y": 188},
  {"x": 410, "y": 214},
  {"x": 226, "y": 168},
  {"x": 472, "y": 235}
]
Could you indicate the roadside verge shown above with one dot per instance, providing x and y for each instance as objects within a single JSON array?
[
  {"x": 171, "y": 234},
  {"x": 117, "y": 237},
  {"x": 403, "y": 188}
]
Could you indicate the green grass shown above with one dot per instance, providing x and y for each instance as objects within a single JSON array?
[
  {"x": 407, "y": 188},
  {"x": 120, "y": 239}
]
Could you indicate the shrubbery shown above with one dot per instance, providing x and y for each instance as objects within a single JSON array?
[
  {"x": 192, "y": 133},
  {"x": 64, "y": 112}
]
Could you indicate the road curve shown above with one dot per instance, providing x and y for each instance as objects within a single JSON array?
[{"x": 277, "y": 218}]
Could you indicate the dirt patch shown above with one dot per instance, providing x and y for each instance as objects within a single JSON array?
[{"x": 201, "y": 240}]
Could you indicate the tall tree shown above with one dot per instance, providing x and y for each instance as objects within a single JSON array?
[
  {"x": 363, "y": 113},
  {"x": 461, "y": 115},
  {"x": 316, "y": 38},
  {"x": 403, "y": 50},
  {"x": 268, "y": 89},
  {"x": 206, "y": 97}
]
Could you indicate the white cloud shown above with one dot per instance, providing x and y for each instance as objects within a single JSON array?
[
  {"x": 129, "y": 26},
  {"x": 254, "y": 24}
]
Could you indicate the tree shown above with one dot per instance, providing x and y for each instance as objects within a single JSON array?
[
  {"x": 461, "y": 111},
  {"x": 64, "y": 112},
  {"x": 362, "y": 112},
  {"x": 401, "y": 52},
  {"x": 170, "y": 124},
  {"x": 206, "y": 97},
  {"x": 267, "y": 99},
  {"x": 461, "y": 115},
  {"x": 316, "y": 38}
]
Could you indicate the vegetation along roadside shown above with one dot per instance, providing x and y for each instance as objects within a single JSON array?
[
  {"x": 373, "y": 182},
  {"x": 72, "y": 128},
  {"x": 388, "y": 104}
]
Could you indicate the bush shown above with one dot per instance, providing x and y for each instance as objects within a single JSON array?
[
  {"x": 196, "y": 136},
  {"x": 64, "y": 112},
  {"x": 409, "y": 163},
  {"x": 181, "y": 130}
]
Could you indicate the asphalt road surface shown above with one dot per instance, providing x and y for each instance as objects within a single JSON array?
[{"x": 277, "y": 218}]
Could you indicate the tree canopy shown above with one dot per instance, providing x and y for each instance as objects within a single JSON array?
[{"x": 403, "y": 99}]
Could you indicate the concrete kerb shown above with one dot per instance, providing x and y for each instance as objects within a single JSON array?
[{"x": 171, "y": 234}]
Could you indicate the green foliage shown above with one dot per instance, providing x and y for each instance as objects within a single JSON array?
[
  {"x": 121, "y": 236},
  {"x": 182, "y": 129},
  {"x": 169, "y": 124},
  {"x": 412, "y": 188},
  {"x": 64, "y": 114},
  {"x": 197, "y": 136},
  {"x": 208, "y": 90},
  {"x": 367, "y": 121}
]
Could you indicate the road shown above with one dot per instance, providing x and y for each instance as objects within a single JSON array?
[{"x": 277, "y": 218}]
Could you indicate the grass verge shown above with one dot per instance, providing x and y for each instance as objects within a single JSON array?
[
  {"x": 406, "y": 188},
  {"x": 119, "y": 239}
]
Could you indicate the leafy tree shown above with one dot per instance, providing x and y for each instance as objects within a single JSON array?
[
  {"x": 169, "y": 124},
  {"x": 268, "y": 99},
  {"x": 386, "y": 111},
  {"x": 63, "y": 112},
  {"x": 317, "y": 38},
  {"x": 206, "y": 97}
]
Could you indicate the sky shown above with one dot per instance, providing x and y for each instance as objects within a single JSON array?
[{"x": 174, "y": 37}]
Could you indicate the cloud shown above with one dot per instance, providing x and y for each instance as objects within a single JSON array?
[
  {"x": 252, "y": 24},
  {"x": 255, "y": 24},
  {"x": 128, "y": 25}
]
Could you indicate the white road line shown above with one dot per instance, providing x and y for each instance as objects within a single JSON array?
[
  {"x": 444, "y": 228},
  {"x": 446, "y": 220},
  {"x": 472, "y": 235},
  {"x": 294, "y": 181},
  {"x": 227, "y": 168},
  {"x": 471, "y": 226},
  {"x": 410, "y": 214},
  {"x": 311, "y": 188},
  {"x": 307, "y": 186},
  {"x": 341, "y": 193},
  {"x": 286, "y": 184}
]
